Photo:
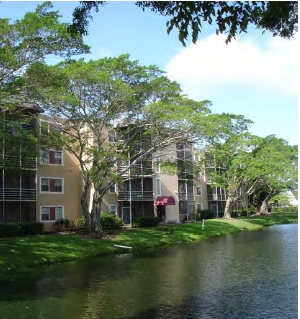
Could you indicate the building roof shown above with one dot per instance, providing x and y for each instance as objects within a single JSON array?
[{"x": 22, "y": 102}]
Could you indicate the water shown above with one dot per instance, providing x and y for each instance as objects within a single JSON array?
[{"x": 250, "y": 275}]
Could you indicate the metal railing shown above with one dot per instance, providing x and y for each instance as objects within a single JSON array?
[
  {"x": 186, "y": 196},
  {"x": 17, "y": 193},
  {"x": 135, "y": 195},
  {"x": 16, "y": 161},
  {"x": 216, "y": 197}
]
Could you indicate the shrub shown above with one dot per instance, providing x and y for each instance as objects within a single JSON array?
[
  {"x": 62, "y": 223},
  {"x": 20, "y": 229},
  {"x": 78, "y": 224},
  {"x": 145, "y": 221},
  {"x": 239, "y": 213},
  {"x": 110, "y": 221},
  {"x": 206, "y": 214}
]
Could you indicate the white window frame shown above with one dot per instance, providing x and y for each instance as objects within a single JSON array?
[
  {"x": 49, "y": 192},
  {"x": 157, "y": 164},
  {"x": 158, "y": 187},
  {"x": 48, "y": 152},
  {"x": 198, "y": 187},
  {"x": 115, "y": 189},
  {"x": 55, "y": 126},
  {"x": 51, "y": 206},
  {"x": 113, "y": 212}
]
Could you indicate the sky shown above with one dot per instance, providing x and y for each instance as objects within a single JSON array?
[{"x": 255, "y": 75}]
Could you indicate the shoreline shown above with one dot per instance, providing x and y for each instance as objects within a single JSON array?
[{"x": 34, "y": 252}]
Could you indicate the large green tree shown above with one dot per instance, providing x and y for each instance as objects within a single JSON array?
[
  {"x": 247, "y": 165},
  {"x": 190, "y": 17},
  {"x": 37, "y": 35},
  {"x": 114, "y": 114},
  {"x": 275, "y": 163}
]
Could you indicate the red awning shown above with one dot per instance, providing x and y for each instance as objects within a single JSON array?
[{"x": 164, "y": 200}]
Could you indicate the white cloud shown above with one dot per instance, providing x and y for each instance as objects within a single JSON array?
[{"x": 244, "y": 65}]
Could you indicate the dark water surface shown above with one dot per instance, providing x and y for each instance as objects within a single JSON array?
[{"x": 243, "y": 276}]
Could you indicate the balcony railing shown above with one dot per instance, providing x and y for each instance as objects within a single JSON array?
[
  {"x": 186, "y": 196},
  {"x": 135, "y": 195},
  {"x": 17, "y": 194},
  {"x": 16, "y": 161},
  {"x": 216, "y": 197}
]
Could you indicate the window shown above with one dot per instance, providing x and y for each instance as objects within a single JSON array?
[
  {"x": 51, "y": 185},
  {"x": 199, "y": 206},
  {"x": 197, "y": 158},
  {"x": 157, "y": 164},
  {"x": 46, "y": 128},
  {"x": 198, "y": 190},
  {"x": 198, "y": 175},
  {"x": 158, "y": 187},
  {"x": 51, "y": 213},
  {"x": 51, "y": 157},
  {"x": 113, "y": 209},
  {"x": 112, "y": 189}
]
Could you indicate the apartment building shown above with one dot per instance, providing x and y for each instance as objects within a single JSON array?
[{"x": 49, "y": 188}]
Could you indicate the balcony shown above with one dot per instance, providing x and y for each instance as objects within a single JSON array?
[
  {"x": 216, "y": 197},
  {"x": 186, "y": 196},
  {"x": 16, "y": 161},
  {"x": 17, "y": 194},
  {"x": 135, "y": 195}
]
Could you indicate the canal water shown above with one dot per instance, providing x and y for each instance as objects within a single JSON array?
[{"x": 250, "y": 275}]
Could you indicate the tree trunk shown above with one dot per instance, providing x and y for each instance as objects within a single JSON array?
[
  {"x": 92, "y": 217},
  {"x": 85, "y": 211},
  {"x": 227, "y": 213},
  {"x": 264, "y": 207},
  {"x": 95, "y": 213}
]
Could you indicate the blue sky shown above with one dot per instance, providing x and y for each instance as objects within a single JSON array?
[{"x": 255, "y": 76}]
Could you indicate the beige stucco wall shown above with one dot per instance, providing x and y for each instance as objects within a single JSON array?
[
  {"x": 169, "y": 183},
  {"x": 70, "y": 198}
]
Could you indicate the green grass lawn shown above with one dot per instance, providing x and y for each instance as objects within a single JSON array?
[{"x": 32, "y": 251}]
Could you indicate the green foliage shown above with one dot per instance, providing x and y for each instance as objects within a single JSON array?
[
  {"x": 20, "y": 229},
  {"x": 62, "y": 222},
  {"x": 30, "y": 39},
  {"x": 205, "y": 214},
  {"x": 231, "y": 18},
  {"x": 110, "y": 221},
  {"x": 145, "y": 221},
  {"x": 79, "y": 223},
  {"x": 239, "y": 213}
]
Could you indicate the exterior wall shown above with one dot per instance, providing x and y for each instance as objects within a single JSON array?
[
  {"x": 169, "y": 183},
  {"x": 202, "y": 199},
  {"x": 69, "y": 199},
  {"x": 169, "y": 188}
]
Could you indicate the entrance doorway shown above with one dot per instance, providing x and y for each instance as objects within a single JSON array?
[
  {"x": 161, "y": 213},
  {"x": 126, "y": 215},
  {"x": 214, "y": 208}
]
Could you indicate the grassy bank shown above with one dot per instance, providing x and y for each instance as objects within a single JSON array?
[{"x": 50, "y": 249}]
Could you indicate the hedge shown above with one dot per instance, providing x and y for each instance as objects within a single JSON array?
[
  {"x": 145, "y": 221},
  {"x": 20, "y": 229}
]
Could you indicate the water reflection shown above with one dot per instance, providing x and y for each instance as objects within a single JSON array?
[{"x": 247, "y": 275}]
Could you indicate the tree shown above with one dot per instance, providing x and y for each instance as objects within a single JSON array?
[
  {"x": 226, "y": 164},
  {"x": 232, "y": 18},
  {"x": 113, "y": 115},
  {"x": 275, "y": 163},
  {"x": 31, "y": 39},
  {"x": 247, "y": 165}
]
